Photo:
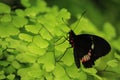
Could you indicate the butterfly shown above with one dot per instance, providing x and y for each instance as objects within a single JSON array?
[{"x": 87, "y": 48}]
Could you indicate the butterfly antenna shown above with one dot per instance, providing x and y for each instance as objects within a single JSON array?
[{"x": 79, "y": 19}]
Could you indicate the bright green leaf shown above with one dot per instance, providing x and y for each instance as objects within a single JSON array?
[
  {"x": 33, "y": 28},
  {"x": 16, "y": 65},
  {"x": 90, "y": 70},
  {"x": 19, "y": 45},
  {"x": 10, "y": 69},
  {"x": 26, "y": 3},
  {"x": 109, "y": 30},
  {"x": 48, "y": 60},
  {"x": 6, "y": 18},
  {"x": 116, "y": 44},
  {"x": 11, "y": 76},
  {"x": 68, "y": 58},
  {"x": 40, "y": 42},
  {"x": 117, "y": 56},
  {"x": 31, "y": 12},
  {"x": 78, "y": 74},
  {"x": 20, "y": 12},
  {"x": 41, "y": 5},
  {"x": 45, "y": 34},
  {"x": 4, "y": 63},
  {"x": 98, "y": 77},
  {"x": 2, "y": 77},
  {"x": 32, "y": 72},
  {"x": 62, "y": 47},
  {"x": 63, "y": 14},
  {"x": 36, "y": 50},
  {"x": 58, "y": 71},
  {"x": 25, "y": 37},
  {"x": 25, "y": 57},
  {"x": 82, "y": 76},
  {"x": 10, "y": 58},
  {"x": 49, "y": 76},
  {"x": 4, "y": 8},
  {"x": 84, "y": 26},
  {"x": 8, "y": 29},
  {"x": 19, "y": 21},
  {"x": 112, "y": 63}
]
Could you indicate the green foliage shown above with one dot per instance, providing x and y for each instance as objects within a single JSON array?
[
  {"x": 32, "y": 42},
  {"x": 4, "y": 8}
]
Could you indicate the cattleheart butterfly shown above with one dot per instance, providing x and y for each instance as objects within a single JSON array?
[{"x": 88, "y": 48}]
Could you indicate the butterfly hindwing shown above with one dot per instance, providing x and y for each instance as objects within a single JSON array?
[{"x": 101, "y": 48}]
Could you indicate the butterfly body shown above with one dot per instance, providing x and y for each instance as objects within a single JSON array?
[{"x": 87, "y": 48}]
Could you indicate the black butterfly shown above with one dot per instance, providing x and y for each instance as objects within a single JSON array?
[{"x": 88, "y": 48}]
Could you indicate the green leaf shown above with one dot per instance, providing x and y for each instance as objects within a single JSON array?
[
  {"x": 31, "y": 73},
  {"x": 19, "y": 45},
  {"x": 59, "y": 73},
  {"x": 110, "y": 75},
  {"x": 48, "y": 60},
  {"x": 68, "y": 58},
  {"x": 49, "y": 76},
  {"x": 45, "y": 34},
  {"x": 62, "y": 47},
  {"x": 41, "y": 5},
  {"x": 19, "y": 12},
  {"x": 36, "y": 50},
  {"x": 33, "y": 28},
  {"x": 3, "y": 45},
  {"x": 63, "y": 14},
  {"x": 2, "y": 76},
  {"x": 8, "y": 29},
  {"x": 6, "y": 18},
  {"x": 61, "y": 29},
  {"x": 26, "y": 3},
  {"x": 19, "y": 21},
  {"x": 112, "y": 63},
  {"x": 11, "y": 76},
  {"x": 90, "y": 70},
  {"x": 10, "y": 58},
  {"x": 117, "y": 56},
  {"x": 4, "y": 8},
  {"x": 25, "y": 37},
  {"x": 82, "y": 76},
  {"x": 84, "y": 26},
  {"x": 40, "y": 42},
  {"x": 16, "y": 65},
  {"x": 98, "y": 77},
  {"x": 31, "y": 12},
  {"x": 109, "y": 30},
  {"x": 4, "y": 63},
  {"x": 10, "y": 69},
  {"x": 25, "y": 57},
  {"x": 116, "y": 44},
  {"x": 75, "y": 73}
]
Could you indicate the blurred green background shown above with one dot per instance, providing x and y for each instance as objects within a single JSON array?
[
  {"x": 98, "y": 11},
  {"x": 30, "y": 31}
]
